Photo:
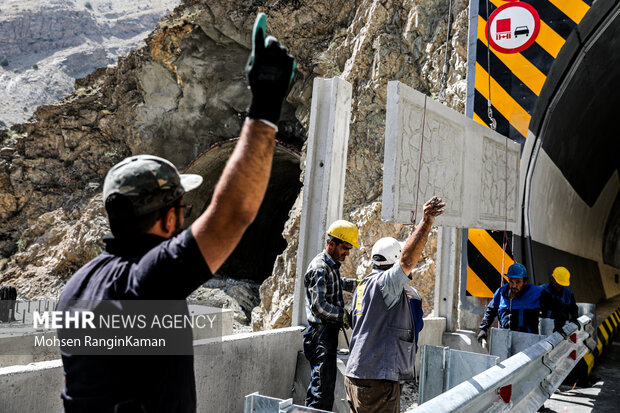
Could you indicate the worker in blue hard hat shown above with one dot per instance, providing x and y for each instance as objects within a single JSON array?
[
  {"x": 558, "y": 287},
  {"x": 519, "y": 304}
]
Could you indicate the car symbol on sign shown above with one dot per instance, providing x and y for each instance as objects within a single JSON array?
[{"x": 522, "y": 30}]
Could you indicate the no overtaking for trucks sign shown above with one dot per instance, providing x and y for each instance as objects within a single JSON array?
[{"x": 513, "y": 27}]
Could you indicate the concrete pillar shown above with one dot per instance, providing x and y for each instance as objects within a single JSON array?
[
  {"x": 326, "y": 163},
  {"x": 447, "y": 276}
]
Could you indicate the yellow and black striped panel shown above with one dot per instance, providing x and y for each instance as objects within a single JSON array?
[
  {"x": 515, "y": 81},
  {"x": 607, "y": 330},
  {"x": 486, "y": 261}
]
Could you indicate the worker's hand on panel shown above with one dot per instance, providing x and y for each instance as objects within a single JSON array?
[
  {"x": 270, "y": 70},
  {"x": 433, "y": 208},
  {"x": 482, "y": 335}
]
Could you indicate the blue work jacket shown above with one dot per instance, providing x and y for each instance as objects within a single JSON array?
[{"x": 521, "y": 313}]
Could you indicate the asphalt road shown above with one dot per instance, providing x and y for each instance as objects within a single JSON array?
[{"x": 602, "y": 396}]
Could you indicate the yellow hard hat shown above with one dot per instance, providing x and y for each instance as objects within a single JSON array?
[
  {"x": 561, "y": 276},
  {"x": 344, "y": 231}
]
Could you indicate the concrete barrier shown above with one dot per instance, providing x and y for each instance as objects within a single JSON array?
[
  {"x": 17, "y": 341},
  {"x": 226, "y": 370},
  {"x": 261, "y": 362},
  {"x": 32, "y": 388}
]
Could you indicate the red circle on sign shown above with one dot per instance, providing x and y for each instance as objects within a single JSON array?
[{"x": 532, "y": 38}]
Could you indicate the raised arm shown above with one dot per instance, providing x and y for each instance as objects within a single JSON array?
[
  {"x": 415, "y": 243},
  {"x": 241, "y": 188}
]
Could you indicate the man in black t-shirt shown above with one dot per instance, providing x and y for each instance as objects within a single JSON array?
[{"x": 148, "y": 258}]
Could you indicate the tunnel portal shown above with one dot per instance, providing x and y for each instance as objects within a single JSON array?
[
  {"x": 255, "y": 255},
  {"x": 572, "y": 160}
]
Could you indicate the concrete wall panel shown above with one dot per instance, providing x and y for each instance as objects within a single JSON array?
[
  {"x": 261, "y": 362},
  {"x": 451, "y": 156}
]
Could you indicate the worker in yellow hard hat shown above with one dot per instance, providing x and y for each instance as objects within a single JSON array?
[
  {"x": 325, "y": 311},
  {"x": 558, "y": 288}
]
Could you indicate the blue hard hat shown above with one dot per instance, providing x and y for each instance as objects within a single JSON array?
[{"x": 516, "y": 271}]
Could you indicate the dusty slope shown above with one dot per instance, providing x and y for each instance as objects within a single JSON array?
[{"x": 46, "y": 44}]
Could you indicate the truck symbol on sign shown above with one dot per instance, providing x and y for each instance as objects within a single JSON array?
[
  {"x": 503, "y": 30},
  {"x": 522, "y": 30}
]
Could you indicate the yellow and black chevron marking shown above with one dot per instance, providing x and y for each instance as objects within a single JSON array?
[
  {"x": 606, "y": 332},
  {"x": 515, "y": 83},
  {"x": 486, "y": 260}
]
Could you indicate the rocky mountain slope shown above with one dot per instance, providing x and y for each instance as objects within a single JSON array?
[
  {"x": 46, "y": 44},
  {"x": 185, "y": 91}
]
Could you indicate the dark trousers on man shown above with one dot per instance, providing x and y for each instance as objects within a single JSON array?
[
  {"x": 320, "y": 347},
  {"x": 372, "y": 396}
]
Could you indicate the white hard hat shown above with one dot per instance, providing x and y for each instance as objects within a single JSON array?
[{"x": 386, "y": 251}]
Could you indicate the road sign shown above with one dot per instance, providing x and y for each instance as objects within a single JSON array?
[{"x": 513, "y": 27}]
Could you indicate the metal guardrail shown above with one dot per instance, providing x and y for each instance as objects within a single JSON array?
[
  {"x": 522, "y": 382},
  {"x": 255, "y": 403},
  {"x": 21, "y": 312}
]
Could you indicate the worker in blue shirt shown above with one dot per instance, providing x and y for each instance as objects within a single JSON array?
[
  {"x": 518, "y": 305},
  {"x": 558, "y": 287},
  {"x": 149, "y": 257}
]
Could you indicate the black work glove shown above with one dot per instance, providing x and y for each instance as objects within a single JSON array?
[
  {"x": 481, "y": 335},
  {"x": 269, "y": 72}
]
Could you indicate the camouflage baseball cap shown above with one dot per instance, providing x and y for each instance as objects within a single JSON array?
[{"x": 149, "y": 182}]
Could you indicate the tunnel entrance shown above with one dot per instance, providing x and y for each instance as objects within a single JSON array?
[
  {"x": 572, "y": 158},
  {"x": 255, "y": 255}
]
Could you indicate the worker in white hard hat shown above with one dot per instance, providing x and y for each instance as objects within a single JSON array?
[
  {"x": 325, "y": 311},
  {"x": 382, "y": 348},
  {"x": 558, "y": 287}
]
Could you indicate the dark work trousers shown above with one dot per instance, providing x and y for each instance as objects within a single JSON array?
[
  {"x": 320, "y": 347},
  {"x": 372, "y": 396}
]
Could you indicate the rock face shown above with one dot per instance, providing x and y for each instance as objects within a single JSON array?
[
  {"x": 185, "y": 91},
  {"x": 46, "y": 44},
  {"x": 54, "y": 246},
  {"x": 384, "y": 40},
  {"x": 241, "y": 296}
]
